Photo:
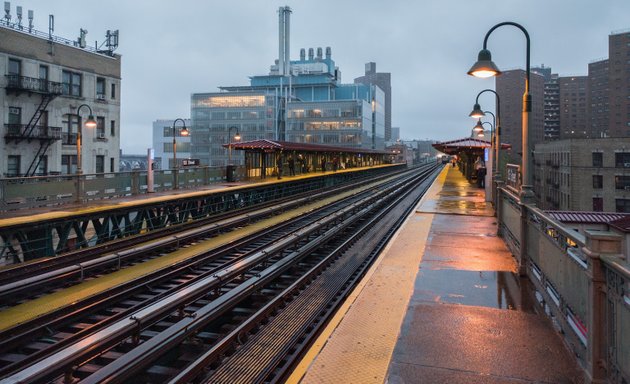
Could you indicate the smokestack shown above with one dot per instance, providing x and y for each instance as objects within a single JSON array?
[
  {"x": 284, "y": 39},
  {"x": 311, "y": 54},
  {"x": 319, "y": 53},
  {"x": 328, "y": 53},
  {"x": 302, "y": 54}
]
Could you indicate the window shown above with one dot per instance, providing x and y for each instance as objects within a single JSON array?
[
  {"x": 15, "y": 119},
  {"x": 43, "y": 78},
  {"x": 598, "y": 204},
  {"x": 100, "y": 164},
  {"x": 68, "y": 164},
  {"x": 111, "y": 164},
  {"x": 113, "y": 91},
  {"x": 42, "y": 167},
  {"x": 71, "y": 83},
  {"x": 112, "y": 128},
  {"x": 622, "y": 182},
  {"x": 598, "y": 160},
  {"x": 15, "y": 67},
  {"x": 233, "y": 115},
  {"x": 622, "y": 205},
  {"x": 100, "y": 127},
  {"x": 598, "y": 181},
  {"x": 13, "y": 165},
  {"x": 100, "y": 88},
  {"x": 43, "y": 72},
  {"x": 43, "y": 119},
  {"x": 622, "y": 160},
  {"x": 70, "y": 128}
]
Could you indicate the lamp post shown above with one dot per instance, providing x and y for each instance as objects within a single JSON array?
[
  {"x": 182, "y": 132},
  {"x": 89, "y": 123},
  {"x": 478, "y": 113},
  {"x": 229, "y": 170},
  {"x": 237, "y": 137},
  {"x": 485, "y": 67}
]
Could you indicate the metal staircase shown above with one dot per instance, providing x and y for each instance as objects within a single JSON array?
[{"x": 33, "y": 131}]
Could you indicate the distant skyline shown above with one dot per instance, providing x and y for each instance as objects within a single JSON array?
[{"x": 174, "y": 49}]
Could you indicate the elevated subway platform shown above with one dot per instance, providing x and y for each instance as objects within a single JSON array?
[
  {"x": 441, "y": 305},
  {"x": 46, "y": 232}
]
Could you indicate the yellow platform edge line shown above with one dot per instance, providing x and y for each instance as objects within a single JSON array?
[
  {"x": 309, "y": 358},
  {"x": 214, "y": 188},
  {"x": 21, "y": 313}
]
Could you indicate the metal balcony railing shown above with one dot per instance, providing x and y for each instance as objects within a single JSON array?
[
  {"x": 19, "y": 131},
  {"x": 31, "y": 84}
]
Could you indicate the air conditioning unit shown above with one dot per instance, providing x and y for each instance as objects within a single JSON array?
[
  {"x": 101, "y": 135},
  {"x": 100, "y": 96},
  {"x": 626, "y": 165}
]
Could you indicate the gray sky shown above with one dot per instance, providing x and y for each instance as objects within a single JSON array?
[{"x": 172, "y": 49}]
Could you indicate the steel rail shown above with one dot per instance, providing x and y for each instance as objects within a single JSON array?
[
  {"x": 80, "y": 265},
  {"x": 307, "y": 328},
  {"x": 136, "y": 318},
  {"x": 26, "y": 331},
  {"x": 123, "y": 328},
  {"x": 122, "y": 368}
]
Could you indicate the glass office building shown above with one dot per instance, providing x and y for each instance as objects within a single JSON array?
[
  {"x": 217, "y": 117},
  {"x": 301, "y": 101}
]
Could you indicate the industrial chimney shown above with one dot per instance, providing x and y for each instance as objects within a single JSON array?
[{"x": 284, "y": 38}]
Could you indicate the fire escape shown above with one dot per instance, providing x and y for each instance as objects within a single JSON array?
[{"x": 33, "y": 130}]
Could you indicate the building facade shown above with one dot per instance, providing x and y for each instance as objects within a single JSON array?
[
  {"x": 299, "y": 100},
  {"x": 45, "y": 82},
  {"x": 511, "y": 86},
  {"x": 384, "y": 81},
  {"x": 584, "y": 175},
  {"x": 574, "y": 118},
  {"x": 598, "y": 95},
  {"x": 551, "y": 108},
  {"x": 619, "y": 84},
  {"x": 163, "y": 143},
  {"x": 218, "y": 116}
]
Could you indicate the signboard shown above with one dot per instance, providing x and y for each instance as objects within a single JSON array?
[
  {"x": 513, "y": 179},
  {"x": 190, "y": 162}
]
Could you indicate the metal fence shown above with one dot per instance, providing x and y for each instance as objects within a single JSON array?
[
  {"x": 581, "y": 281},
  {"x": 39, "y": 191}
]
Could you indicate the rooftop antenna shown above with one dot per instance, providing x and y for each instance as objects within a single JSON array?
[
  {"x": 30, "y": 20},
  {"x": 111, "y": 40},
  {"x": 7, "y": 11},
  {"x": 51, "y": 26},
  {"x": 81, "y": 40},
  {"x": 19, "y": 16}
]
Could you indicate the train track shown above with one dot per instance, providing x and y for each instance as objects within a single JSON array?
[
  {"x": 27, "y": 281},
  {"x": 174, "y": 325}
]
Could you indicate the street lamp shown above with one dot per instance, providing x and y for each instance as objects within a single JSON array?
[
  {"x": 182, "y": 132},
  {"x": 237, "y": 137},
  {"x": 478, "y": 129},
  {"x": 485, "y": 67},
  {"x": 480, "y": 132},
  {"x": 478, "y": 113},
  {"x": 89, "y": 123}
]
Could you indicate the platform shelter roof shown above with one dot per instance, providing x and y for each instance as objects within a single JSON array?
[
  {"x": 468, "y": 144},
  {"x": 265, "y": 145}
]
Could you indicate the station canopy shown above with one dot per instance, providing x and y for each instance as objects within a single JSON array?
[
  {"x": 265, "y": 145},
  {"x": 467, "y": 144}
]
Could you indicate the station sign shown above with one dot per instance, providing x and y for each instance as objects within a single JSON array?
[
  {"x": 190, "y": 162},
  {"x": 513, "y": 180}
]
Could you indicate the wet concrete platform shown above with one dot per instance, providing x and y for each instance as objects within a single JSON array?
[{"x": 442, "y": 305}]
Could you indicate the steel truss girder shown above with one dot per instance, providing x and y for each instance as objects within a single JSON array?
[{"x": 33, "y": 240}]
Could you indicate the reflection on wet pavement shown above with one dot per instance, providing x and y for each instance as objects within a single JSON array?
[{"x": 495, "y": 289}]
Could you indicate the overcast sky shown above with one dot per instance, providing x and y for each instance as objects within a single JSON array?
[{"x": 171, "y": 49}]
